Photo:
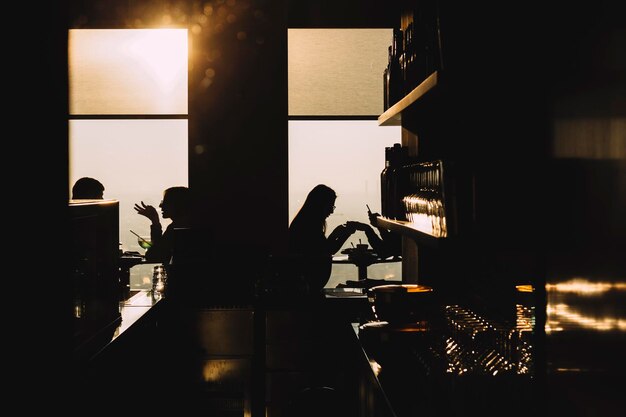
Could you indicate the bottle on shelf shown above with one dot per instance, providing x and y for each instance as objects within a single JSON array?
[
  {"x": 385, "y": 89},
  {"x": 409, "y": 50},
  {"x": 393, "y": 184},
  {"x": 394, "y": 79},
  {"x": 384, "y": 177}
]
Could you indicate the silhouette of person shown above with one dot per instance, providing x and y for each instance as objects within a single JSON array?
[
  {"x": 387, "y": 244},
  {"x": 308, "y": 240},
  {"x": 176, "y": 205},
  {"x": 87, "y": 188},
  {"x": 377, "y": 243}
]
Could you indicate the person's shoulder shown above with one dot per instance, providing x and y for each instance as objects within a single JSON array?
[{"x": 170, "y": 228}]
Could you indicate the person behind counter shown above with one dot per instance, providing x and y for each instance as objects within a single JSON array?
[
  {"x": 175, "y": 206},
  {"x": 87, "y": 188},
  {"x": 308, "y": 242},
  {"x": 389, "y": 244}
]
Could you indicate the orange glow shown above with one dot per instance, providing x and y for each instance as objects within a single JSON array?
[
  {"x": 418, "y": 288},
  {"x": 524, "y": 288}
]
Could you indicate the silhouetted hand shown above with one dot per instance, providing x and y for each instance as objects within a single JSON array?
[
  {"x": 147, "y": 211},
  {"x": 339, "y": 235},
  {"x": 375, "y": 241},
  {"x": 358, "y": 226},
  {"x": 373, "y": 217},
  {"x": 343, "y": 230}
]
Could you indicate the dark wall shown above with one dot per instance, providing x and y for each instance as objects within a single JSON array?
[
  {"x": 586, "y": 70},
  {"x": 531, "y": 108},
  {"x": 238, "y": 123},
  {"x": 35, "y": 193}
]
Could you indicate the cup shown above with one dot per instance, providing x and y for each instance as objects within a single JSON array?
[{"x": 362, "y": 247}]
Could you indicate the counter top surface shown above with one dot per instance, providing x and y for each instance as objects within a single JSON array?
[
  {"x": 104, "y": 332},
  {"x": 134, "y": 308}
]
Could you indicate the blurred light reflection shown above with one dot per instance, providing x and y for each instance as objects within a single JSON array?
[
  {"x": 376, "y": 368},
  {"x": 583, "y": 286},
  {"x": 581, "y": 304}
]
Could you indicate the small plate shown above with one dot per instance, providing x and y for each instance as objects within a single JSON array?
[{"x": 345, "y": 292}]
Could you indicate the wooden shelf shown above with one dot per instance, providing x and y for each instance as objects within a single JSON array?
[
  {"x": 406, "y": 229},
  {"x": 393, "y": 115}
]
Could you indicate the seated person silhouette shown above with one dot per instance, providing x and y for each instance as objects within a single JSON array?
[
  {"x": 309, "y": 246},
  {"x": 390, "y": 243},
  {"x": 87, "y": 188},
  {"x": 175, "y": 206}
]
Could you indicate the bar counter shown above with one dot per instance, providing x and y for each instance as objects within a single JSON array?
[
  {"x": 569, "y": 363},
  {"x": 120, "y": 363},
  {"x": 105, "y": 332},
  {"x": 134, "y": 309},
  {"x": 470, "y": 367},
  {"x": 558, "y": 352}
]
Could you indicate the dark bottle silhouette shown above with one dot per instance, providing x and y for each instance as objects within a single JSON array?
[
  {"x": 393, "y": 183},
  {"x": 395, "y": 78},
  {"x": 383, "y": 182}
]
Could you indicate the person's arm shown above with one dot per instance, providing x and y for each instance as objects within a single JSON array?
[
  {"x": 162, "y": 247},
  {"x": 156, "y": 231},
  {"x": 374, "y": 240},
  {"x": 391, "y": 242},
  {"x": 338, "y": 237},
  {"x": 372, "y": 218}
]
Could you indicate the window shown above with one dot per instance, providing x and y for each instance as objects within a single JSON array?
[
  {"x": 335, "y": 97},
  {"x": 128, "y": 120}
]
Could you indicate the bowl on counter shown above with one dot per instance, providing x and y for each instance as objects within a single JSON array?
[{"x": 402, "y": 303}]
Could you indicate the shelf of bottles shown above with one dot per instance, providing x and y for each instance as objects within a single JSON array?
[
  {"x": 414, "y": 62},
  {"x": 413, "y": 198}
]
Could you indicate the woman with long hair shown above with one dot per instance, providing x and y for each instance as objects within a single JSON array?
[{"x": 308, "y": 241}]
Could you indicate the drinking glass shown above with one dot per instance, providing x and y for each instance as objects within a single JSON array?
[{"x": 144, "y": 242}]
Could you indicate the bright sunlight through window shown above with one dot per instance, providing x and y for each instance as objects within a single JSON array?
[
  {"x": 339, "y": 73},
  {"x": 128, "y": 71}
]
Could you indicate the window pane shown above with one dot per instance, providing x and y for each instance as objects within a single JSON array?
[
  {"x": 348, "y": 156},
  {"x": 128, "y": 71},
  {"x": 337, "y": 71},
  {"x": 135, "y": 160}
]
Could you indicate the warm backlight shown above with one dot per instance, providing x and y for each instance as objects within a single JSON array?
[{"x": 128, "y": 71}]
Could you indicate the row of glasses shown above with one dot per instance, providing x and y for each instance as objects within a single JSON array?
[
  {"x": 424, "y": 204},
  {"x": 477, "y": 345}
]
